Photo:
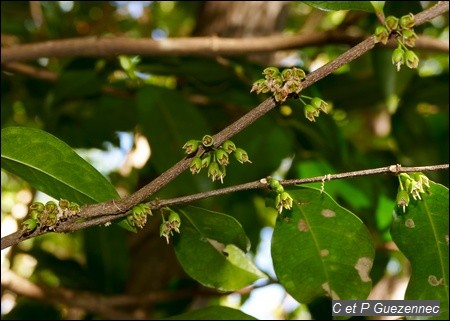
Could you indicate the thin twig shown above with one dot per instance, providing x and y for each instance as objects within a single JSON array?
[
  {"x": 205, "y": 46},
  {"x": 84, "y": 300},
  {"x": 106, "y": 306},
  {"x": 71, "y": 226},
  {"x": 50, "y": 76}
]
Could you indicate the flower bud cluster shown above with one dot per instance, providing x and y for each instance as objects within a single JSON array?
[
  {"x": 138, "y": 216},
  {"x": 281, "y": 84},
  {"x": 403, "y": 29},
  {"x": 414, "y": 184},
  {"x": 48, "y": 216},
  {"x": 212, "y": 158},
  {"x": 282, "y": 198},
  {"x": 172, "y": 224}
]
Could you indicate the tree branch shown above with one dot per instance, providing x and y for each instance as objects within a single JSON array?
[
  {"x": 100, "y": 219},
  {"x": 83, "y": 300},
  {"x": 205, "y": 46},
  {"x": 107, "y": 307},
  {"x": 50, "y": 76},
  {"x": 110, "y": 210}
]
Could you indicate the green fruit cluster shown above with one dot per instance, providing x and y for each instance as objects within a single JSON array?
[
  {"x": 48, "y": 216},
  {"x": 282, "y": 199},
  {"x": 285, "y": 83},
  {"x": 170, "y": 225},
  {"x": 138, "y": 216},
  {"x": 281, "y": 84},
  {"x": 215, "y": 159},
  {"x": 406, "y": 37},
  {"x": 412, "y": 184}
]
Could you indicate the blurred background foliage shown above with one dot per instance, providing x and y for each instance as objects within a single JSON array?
[{"x": 130, "y": 116}]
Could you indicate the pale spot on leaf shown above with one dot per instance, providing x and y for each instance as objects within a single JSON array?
[
  {"x": 324, "y": 252},
  {"x": 432, "y": 279},
  {"x": 363, "y": 266},
  {"x": 303, "y": 226},
  {"x": 328, "y": 213},
  {"x": 330, "y": 292},
  {"x": 409, "y": 223},
  {"x": 220, "y": 247},
  {"x": 446, "y": 239}
]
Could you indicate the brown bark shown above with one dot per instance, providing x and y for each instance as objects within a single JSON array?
[{"x": 243, "y": 19}]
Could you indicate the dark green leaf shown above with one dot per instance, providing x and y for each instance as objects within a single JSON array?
[
  {"x": 51, "y": 166},
  {"x": 341, "y": 5},
  {"x": 107, "y": 257},
  {"x": 338, "y": 188},
  {"x": 421, "y": 233},
  {"x": 78, "y": 83},
  {"x": 213, "y": 313},
  {"x": 211, "y": 248},
  {"x": 320, "y": 248},
  {"x": 169, "y": 121}
]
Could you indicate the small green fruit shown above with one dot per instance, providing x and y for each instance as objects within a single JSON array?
[
  {"x": 398, "y": 57},
  {"x": 63, "y": 204},
  {"x": 271, "y": 72},
  {"x": 222, "y": 157},
  {"x": 411, "y": 59},
  {"x": 191, "y": 146},
  {"x": 207, "y": 140},
  {"x": 409, "y": 37},
  {"x": 29, "y": 225},
  {"x": 38, "y": 206},
  {"x": 228, "y": 146},
  {"x": 196, "y": 165},
  {"x": 311, "y": 112},
  {"x": 241, "y": 156},
  {"x": 381, "y": 35},
  {"x": 407, "y": 21},
  {"x": 51, "y": 206},
  {"x": 391, "y": 23},
  {"x": 402, "y": 199}
]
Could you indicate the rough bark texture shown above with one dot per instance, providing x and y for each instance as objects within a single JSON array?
[{"x": 243, "y": 19}]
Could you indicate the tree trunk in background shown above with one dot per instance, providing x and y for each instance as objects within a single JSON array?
[
  {"x": 153, "y": 264},
  {"x": 243, "y": 19}
]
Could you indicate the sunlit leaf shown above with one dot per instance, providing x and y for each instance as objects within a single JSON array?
[
  {"x": 320, "y": 248},
  {"x": 211, "y": 248},
  {"x": 421, "y": 233},
  {"x": 53, "y": 167}
]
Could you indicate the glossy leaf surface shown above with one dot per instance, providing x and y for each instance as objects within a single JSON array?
[
  {"x": 320, "y": 248},
  {"x": 421, "y": 233},
  {"x": 212, "y": 248}
]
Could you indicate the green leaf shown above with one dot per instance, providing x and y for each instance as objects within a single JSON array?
[
  {"x": 69, "y": 85},
  {"x": 213, "y": 313},
  {"x": 169, "y": 121},
  {"x": 320, "y": 248},
  {"x": 422, "y": 235},
  {"x": 341, "y": 5},
  {"x": 53, "y": 167},
  {"x": 341, "y": 189},
  {"x": 211, "y": 248},
  {"x": 107, "y": 256}
]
